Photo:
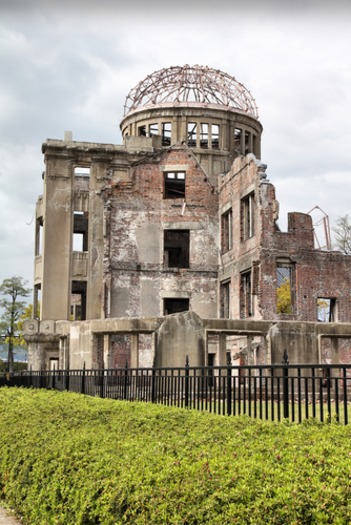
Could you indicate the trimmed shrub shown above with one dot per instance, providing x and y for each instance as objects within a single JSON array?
[{"x": 71, "y": 459}]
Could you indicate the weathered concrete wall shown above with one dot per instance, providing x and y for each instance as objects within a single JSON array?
[
  {"x": 315, "y": 273},
  {"x": 135, "y": 267},
  {"x": 169, "y": 340}
]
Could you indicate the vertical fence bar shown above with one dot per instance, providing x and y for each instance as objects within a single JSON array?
[
  {"x": 344, "y": 387},
  {"x": 313, "y": 392},
  {"x": 125, "y": 382},
  {"x": 337, "y": 408},
  {"x": 299, "y": 397},
  {"x": 272, "y": 394},
  {"x": 186, "y": 386},
  {"x": 229, "y": 386},
  {"x": 285, "y": 385},
  {"x": 82, "y": 389},
  {"x": 328, "y": 380}
]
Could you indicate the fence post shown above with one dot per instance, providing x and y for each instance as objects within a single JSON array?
[
  {"x": 285, "y": 385},
  {"x": 153, "y": 384},
  {"x": 229, "y": 385},
  {"x": 125, "y": 381},
  {"x": 186, "y": 387},
  {"x": 53, "y": 382},
  {"x": 41, "y": 377},
  {"x": 67, "y": 379},
  {"x": 82, "y": 390},
  {"x": 102, "y": 382}
]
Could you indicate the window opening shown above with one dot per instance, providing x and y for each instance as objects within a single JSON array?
[
  {"x": 36, "y": 301},
  {"x": 247, "y": 142},
  {"x": 246, "y": 299},
  {"x": 176, "y": 248},
  {"x": 120, "y": 353},
  {"x": 81, "y": 171},
  {"x": 226, "y": 231},
  {"x": 326, "y": 309},
  {"x": 247, "y": 217},
  {"x": 174, "y": 185},
  {"x": 175, "y": 305},
  {"x": 203, "y": 135},
  {"x": 166, "y": 133},
  {"x": 224, "y": 300},
  {"x": 215, "y": 136},
  {"x": 254, "y": 145},
  {"x": 192, "y": 134},
  {"x": 54, "y": 363},
  {"x": 285, "y": 288},
  {"x": 237, "y": 141},
  {"x": 78, "y": 300},
  {"x": 80, "y": 231},
  {"x": 142, "y": 131},
  {"x": 38, "y": 236},
  {"x": 153, "y": 129}
]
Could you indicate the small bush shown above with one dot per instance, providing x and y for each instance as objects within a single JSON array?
[{"x": 70, "y": 459}]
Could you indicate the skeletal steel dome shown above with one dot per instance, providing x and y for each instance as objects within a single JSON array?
[{"x": 191, "y": 86}]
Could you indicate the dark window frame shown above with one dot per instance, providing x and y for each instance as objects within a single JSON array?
[
  {"x": 176, "y": 247},
  {"x": 174, "y": 184}
]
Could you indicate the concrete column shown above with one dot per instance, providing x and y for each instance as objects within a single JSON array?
[
  {"x": 106, "y": 352},
  {"x": 242, "y": 142},
  {"x": 222, "y": 357},
  {"x": 224, "y": 143},
  {"x": 251, "y": 143},
  {"x": 175, "y": 133},
  {"x": 134, "y": 351}
]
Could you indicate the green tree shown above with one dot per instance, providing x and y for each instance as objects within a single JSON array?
[
  {"x": 27, "y": 314},
  {"x": 12, "y": 308},
  {"x": 342, "y": 234},
  {"x": 284, "y": 305}
]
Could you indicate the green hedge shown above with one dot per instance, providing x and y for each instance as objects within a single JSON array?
[{"x": 71, "y": 459}]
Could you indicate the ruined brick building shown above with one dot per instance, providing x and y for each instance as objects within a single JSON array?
[{"x": 180, "y": 218}]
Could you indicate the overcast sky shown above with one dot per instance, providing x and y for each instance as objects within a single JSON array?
[{"x": 68, "y": 65}]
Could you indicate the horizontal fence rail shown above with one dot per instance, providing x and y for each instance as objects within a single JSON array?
[{"x": 276, "y": 392}]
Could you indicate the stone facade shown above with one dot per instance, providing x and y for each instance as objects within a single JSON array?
[{"x": 180, "y": 218}]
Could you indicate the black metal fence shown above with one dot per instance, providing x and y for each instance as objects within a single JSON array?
[{"x": 276, "y": 392}]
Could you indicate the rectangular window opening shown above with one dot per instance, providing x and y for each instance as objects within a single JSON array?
[
  {"x": 142, "y": 131},
  {"x": 81, "y": 171},
  {"x": 215, "y": 136},
  {"x": 227, "y": 231},
  {"x": 176, "y": 248},
  {"x": 285, "y": 288},
  {"x": 225, "y": 300},
  {"x": 247, "y": 142},
  {"x": 78, "y": 301},
  {"x": 247, "y": 217},
  {"x": 153, "y": 129},
  {"x": 175, "y": 305},
  {"x": 39, "y": 236},
  {"x": 237, "y": 141},
  {"x": 326, "y": 309},
  {"x": 36, "y": 301},
  {"x": 246, "y": 298},
  {"x": 166, "y": 133},
  {"x": 192, "y": 134},
  {"x": 80, "y": 231},
  {"x": 174, "y": 185}
]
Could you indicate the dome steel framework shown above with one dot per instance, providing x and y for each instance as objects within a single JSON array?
[{"x": 190, "y": 85}]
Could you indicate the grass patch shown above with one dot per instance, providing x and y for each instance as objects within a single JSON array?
[{"x": 71, "y": 459}]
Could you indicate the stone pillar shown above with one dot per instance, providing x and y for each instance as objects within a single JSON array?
[
  {"x": 180, "y": 335},
  {"x": 134, "y": 351}
]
